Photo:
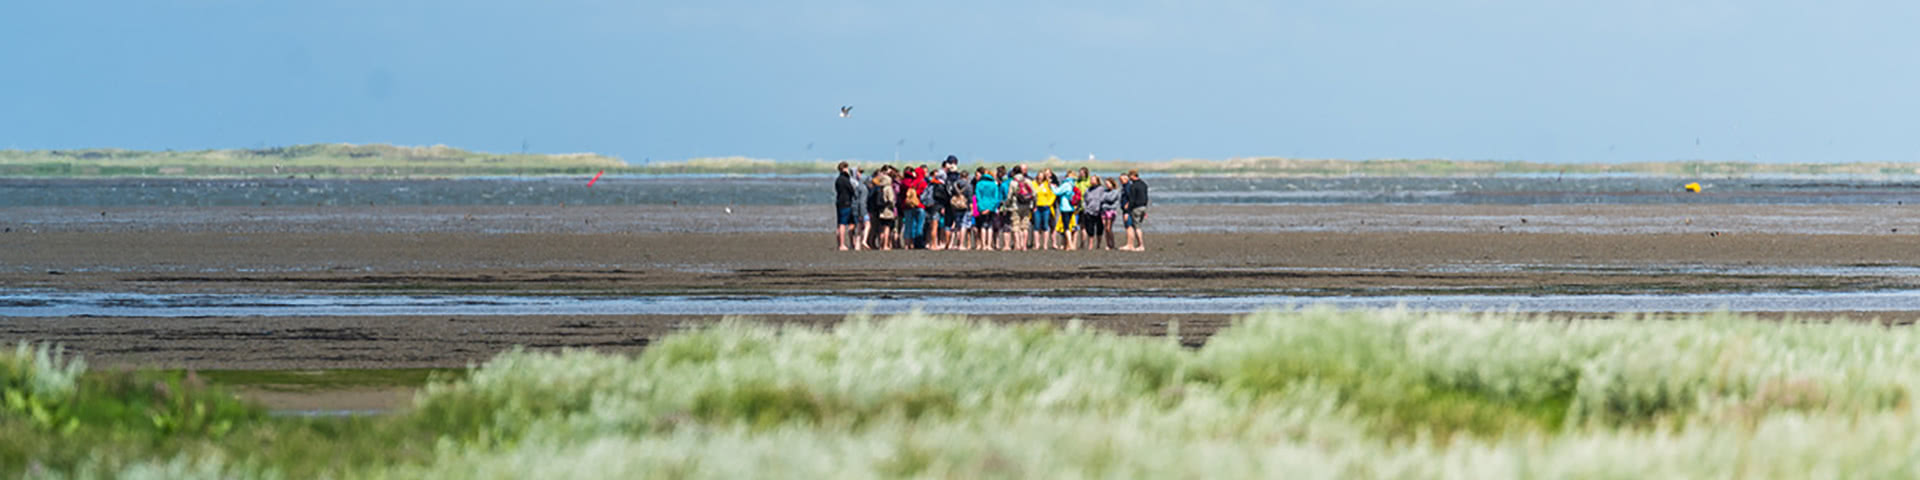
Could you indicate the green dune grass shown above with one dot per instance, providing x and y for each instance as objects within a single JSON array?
[{"x": 1284, "y": 394}]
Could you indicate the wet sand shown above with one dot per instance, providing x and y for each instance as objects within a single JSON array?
[
  {"x": 1193, "y": 263},
  {"x": 1195, "y": 250}
]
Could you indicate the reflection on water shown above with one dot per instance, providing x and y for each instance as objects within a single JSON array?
[
  {"x": 811, "y": 189},
  {"x": 64, "y": 304}
]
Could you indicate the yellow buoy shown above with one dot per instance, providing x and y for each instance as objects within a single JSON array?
[{"x": 1694, "y": 187}]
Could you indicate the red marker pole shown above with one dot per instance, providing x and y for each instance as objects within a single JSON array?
[{"x": 596, "y": 178}]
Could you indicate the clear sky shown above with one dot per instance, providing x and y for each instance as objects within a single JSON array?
[{"x": 1554, "y": 81}]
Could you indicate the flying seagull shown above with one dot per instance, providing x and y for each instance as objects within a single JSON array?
[{"x": 845, "y": 111}]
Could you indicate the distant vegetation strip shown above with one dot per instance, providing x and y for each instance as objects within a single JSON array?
[
  {"x": 319, "y": 160},
  {"x": 389, "y": 161},
  {"x": 1283, "y": 167}
]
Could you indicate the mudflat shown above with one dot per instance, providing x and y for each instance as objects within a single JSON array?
[{"x": 656, "y": 250}]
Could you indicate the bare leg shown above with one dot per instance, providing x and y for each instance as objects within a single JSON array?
[
  {"x": 933, "y": 231},
  {"x": 863, "y": 238},
  {"x": 1109, "y": 230}
]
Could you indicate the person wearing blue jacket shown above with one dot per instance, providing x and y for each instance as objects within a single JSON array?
[
  {"x": 987, "y": 195},
  {"x": 1064, "y": 224}
]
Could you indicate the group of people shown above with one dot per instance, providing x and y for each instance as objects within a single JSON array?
[{"x": 998, "y": 209}]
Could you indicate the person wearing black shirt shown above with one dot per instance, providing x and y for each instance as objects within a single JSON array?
[
  {"x": 843, "y": 206},
  {"x": 949, "y": 181},
  {"x": 1133, "y": 200}
]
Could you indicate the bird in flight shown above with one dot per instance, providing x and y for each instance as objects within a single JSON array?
[{"x": 845, "y": 111}]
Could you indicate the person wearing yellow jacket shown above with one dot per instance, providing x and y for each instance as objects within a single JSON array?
[{"x": 1043, "y": 212}]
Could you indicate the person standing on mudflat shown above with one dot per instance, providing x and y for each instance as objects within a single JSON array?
[
  {"x": 862, "y": 224},
  {"x": 951, "y": 201},
  {"x": 1110, "y": 208},
  {"x": 843, "y": 208},
  {"x": 986, "y": 197},
  {"x": 1134, "y": 202},
  {"x": 883, "y": 199},
  {"x": 1090, "y": 211},
  {"x": 913, "y": 213}
]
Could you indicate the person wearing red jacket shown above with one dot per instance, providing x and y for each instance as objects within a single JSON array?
[{"x": 913, "y": 216}]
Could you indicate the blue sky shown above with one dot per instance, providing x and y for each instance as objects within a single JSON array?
[{"x": 1553, "y": 81}]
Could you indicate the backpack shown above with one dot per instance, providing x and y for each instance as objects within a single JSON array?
[
  {"x": 954, "y": 198},
  {"x": 927, "y": 198},
  {"x": 1077, "y": 197},
  {"x": 886, "y": 204},
  {"x": 913, "y": 198},
  {"x": 1024, "y": 191}
]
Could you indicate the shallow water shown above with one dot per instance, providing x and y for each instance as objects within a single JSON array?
[
  {"x": 817, "y": 189},
  {"x": 72, "y": 304}
]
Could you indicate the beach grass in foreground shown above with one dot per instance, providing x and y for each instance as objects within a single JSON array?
[{"x": 1316, "y": 393}]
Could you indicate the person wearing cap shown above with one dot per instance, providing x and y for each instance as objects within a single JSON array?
[{"x": 951, "y": 182}]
